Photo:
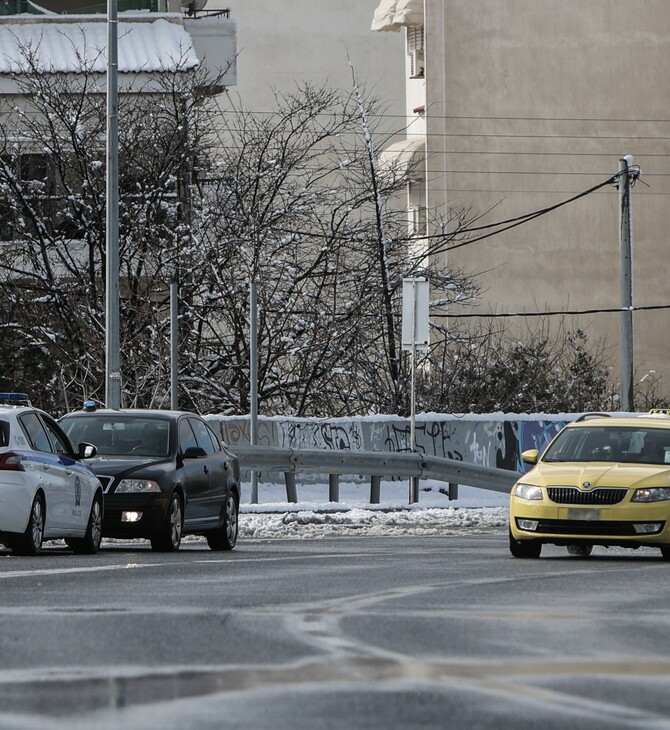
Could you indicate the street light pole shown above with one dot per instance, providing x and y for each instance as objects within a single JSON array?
[{"x": 112, "y": 328}]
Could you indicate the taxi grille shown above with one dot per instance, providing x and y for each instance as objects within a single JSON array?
[
  {"x": 610, "y": 528},
  {"x": 572, "y": 495}
]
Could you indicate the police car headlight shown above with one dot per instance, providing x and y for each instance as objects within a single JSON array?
[
  {"x": 528, "y": 491},
  {"x": 137, "y": 486},
  {"x": 652, "y": 494}
]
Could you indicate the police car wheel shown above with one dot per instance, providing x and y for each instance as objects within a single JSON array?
[
  {"x": 30, "y": 543},
  {"x": 90, "y": 543}
]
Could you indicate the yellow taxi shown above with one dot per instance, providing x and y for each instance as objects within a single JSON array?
[{"x": 603, "y": 480}]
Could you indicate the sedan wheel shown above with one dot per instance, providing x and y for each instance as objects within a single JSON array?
[
  {"x": 225, "y": 538},
  {"x": 30, "y": 543},
  {"x": 169, "y": 538}
]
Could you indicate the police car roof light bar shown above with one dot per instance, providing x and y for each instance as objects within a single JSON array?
[{"x": 15, "y": 399}]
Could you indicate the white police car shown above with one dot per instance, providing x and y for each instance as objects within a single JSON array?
[{"x": 45, "y": 492}]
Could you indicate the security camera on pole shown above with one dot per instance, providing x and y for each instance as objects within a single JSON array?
[{"x": 415, "y": 336}]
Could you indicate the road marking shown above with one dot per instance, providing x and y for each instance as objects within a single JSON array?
[{"x": 65, "y": 571}]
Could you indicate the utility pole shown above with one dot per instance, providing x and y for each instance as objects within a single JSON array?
[
  {"x": 112, "y": 328},
  {"x": 626, "y": 281},
  {"x": 253, "y": 378},
  {"x": 174, "y": 342}
]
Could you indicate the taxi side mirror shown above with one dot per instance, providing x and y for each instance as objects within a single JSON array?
[{"x": 531, "y": 456}]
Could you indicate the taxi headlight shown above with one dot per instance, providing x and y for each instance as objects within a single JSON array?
[
  {"x": 137, "y": 486},
  {"x": 528, "y": 491},
  {"x": 651, "y": 494}
]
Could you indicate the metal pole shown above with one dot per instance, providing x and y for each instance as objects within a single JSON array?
[
  {"x": 626, "y": 284},
  {"x": 413, "y": 484},
  {"x": 174, "y": 344},
  {"x": 112, "y": 336},
  {"x": 253, "y": 379}
]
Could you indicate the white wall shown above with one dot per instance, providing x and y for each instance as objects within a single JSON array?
[{"x": 282, "y": 43}]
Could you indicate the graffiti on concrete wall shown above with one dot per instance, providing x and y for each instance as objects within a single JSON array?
[{"x": 490, "y": 441}]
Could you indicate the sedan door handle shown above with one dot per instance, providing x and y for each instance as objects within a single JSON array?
[{"x": 205, "y": 469}]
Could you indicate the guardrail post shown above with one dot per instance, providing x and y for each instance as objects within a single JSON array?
[
  {"x": 414, "y": 489},
  {"x": 375, "y": 489},
  {"x": 333, "y": 487},
  {"x": 291, "y": 492},
  {"x": 453, "y": 491}
]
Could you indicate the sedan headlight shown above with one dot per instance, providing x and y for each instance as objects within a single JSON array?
[
  {"x": 652, "y": 494},
  {"x": 137, "y": 486},
  {"x": 528, "y": 491}
]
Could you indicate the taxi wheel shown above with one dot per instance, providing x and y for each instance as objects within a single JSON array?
[
  {"x": 30, "y": 543},
  {"x": 169, "y": 537},
  {"x": 580, "y": 551},
  {"x": 524, "y": 548},
  {"x": 90, "y": 543},
  {"x": 665, "y": 552},
  {"x": 225, "y": 538}
]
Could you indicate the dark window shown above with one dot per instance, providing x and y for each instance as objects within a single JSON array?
[
  {"x": 35, "y": 432},
  {"x": 186, "y": 436},
  {"x": 202, "y": 435}
]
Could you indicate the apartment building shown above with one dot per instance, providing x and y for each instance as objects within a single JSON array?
[{"x": 523, "y": 107}]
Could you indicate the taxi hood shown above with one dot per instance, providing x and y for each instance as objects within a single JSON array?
[{"x": 549, "y": 474}]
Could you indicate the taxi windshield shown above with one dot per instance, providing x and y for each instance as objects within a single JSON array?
[
  {"x": 611, "y": 443},
  {"x": 116, "y": 435}
]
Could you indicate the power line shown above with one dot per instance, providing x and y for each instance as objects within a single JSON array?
[{"x": 555, "y": 313}]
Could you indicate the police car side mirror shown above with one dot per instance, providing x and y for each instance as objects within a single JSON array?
[{"x": 87, "y": 451}]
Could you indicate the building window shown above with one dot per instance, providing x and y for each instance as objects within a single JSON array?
[{"x": 415, "y": 51}]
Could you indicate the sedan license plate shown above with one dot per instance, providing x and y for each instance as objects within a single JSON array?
[{"x": 584, "y": 514}]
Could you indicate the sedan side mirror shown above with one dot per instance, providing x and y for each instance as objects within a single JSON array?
[
  {"x": 194, "y": 452},
  {"x": 86, "y": 451}
]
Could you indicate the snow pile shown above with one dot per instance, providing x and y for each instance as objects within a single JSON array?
[
  {"x": 313, "y": 516},
  {"x": 310, "y": 524}
]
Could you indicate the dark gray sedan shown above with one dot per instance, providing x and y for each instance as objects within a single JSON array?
[{"x": 165, "y": 474}]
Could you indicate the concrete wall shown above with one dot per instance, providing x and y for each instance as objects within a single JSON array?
[{"x": 532, "y": 102}]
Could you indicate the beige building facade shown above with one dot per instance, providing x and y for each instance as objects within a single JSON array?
[
  {"x": 524, "y": 105},
  {"x": 282, "y": 45}
]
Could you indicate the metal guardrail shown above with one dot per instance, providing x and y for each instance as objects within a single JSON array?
[{"x": 375, "y": 464}]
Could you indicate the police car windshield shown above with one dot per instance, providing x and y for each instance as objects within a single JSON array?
[
  {"x": 611, "y": 443},
  {"x": 116, "y": 435}
]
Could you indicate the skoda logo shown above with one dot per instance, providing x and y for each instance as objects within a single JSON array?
[{"x": 586, "y": 485}]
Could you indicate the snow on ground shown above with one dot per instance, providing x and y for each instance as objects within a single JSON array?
[{"x": 314, "y": 517}]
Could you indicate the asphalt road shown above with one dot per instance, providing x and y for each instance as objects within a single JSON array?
[{"x": 349, "y": 632}]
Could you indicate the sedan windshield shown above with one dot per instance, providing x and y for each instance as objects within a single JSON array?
[
  {"x": 611, "y": 443},
  {"x": 120, "y": 436}
]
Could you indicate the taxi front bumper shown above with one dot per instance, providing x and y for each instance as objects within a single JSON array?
[{"x": 628, "y": 524}]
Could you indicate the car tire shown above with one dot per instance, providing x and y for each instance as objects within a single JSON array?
[
  {"x": 580, "y": 551},
  {"x": 665, "y": 552},
  {"x": 30, "y": 543},
  {"x": 225, "y": 538},
  {"x": 524, "y": 548},
  {"x": 90, "y": 543},
  {"x": 168, "y": 539}
]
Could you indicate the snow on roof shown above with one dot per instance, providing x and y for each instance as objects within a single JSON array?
[{"x": 144, "y": 47}]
